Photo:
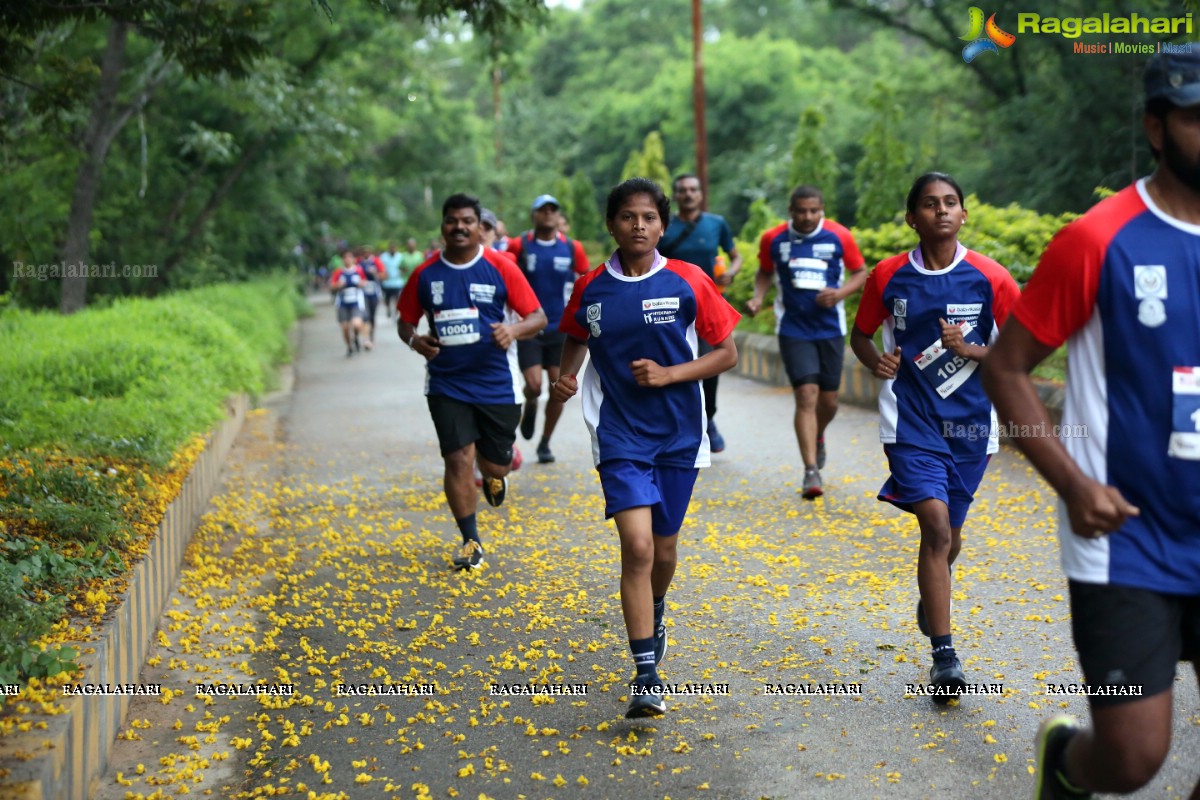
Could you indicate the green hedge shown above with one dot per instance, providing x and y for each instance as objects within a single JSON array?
[
  {"x": 94, "y": 409},
  {"x": 138, "y": 378}
]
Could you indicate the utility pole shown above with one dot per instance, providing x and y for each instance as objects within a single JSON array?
[{"x": 698, "y": 100}]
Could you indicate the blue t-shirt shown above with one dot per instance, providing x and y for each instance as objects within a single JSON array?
[
  {"x": 462, "y": 302},
  {"x": 699, "y": 247},
  {"x": 1121, "y": 286},
  {"x": 551, "y": 268},
  {"x": 936, "y": 401},
  {"x": 803, "y": 266},
  {"x": 660, "y": 316}
]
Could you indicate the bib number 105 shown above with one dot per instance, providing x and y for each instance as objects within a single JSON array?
[{"x": 952, "y": 366}]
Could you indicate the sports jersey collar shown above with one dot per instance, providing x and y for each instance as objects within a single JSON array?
[
  {"x": 614, "y": 267},
  {"x": 467, "y": 265},
  {"x": 918, "y": 260},
  {"x": 820, "y": 227},
  {"x": 1164, "y": 216}
]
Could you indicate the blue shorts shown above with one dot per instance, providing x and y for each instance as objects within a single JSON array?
[
  {"x": 919, "y": 474},
  {"x": 667, "y": 490}
]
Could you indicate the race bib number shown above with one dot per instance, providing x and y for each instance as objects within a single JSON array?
[
  {"x": 1185, "y": 414},
  {"x": 808, "y": 273},
  {"x": 349, "y": 296},
  {"x": 457, "y": 326},
  {"x": 942, "y": 369}
]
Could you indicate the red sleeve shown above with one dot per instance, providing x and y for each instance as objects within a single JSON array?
[
  {"x": 1005, "y": 292},
  {"x": 337, "y": 276},
  {"x": 1061, "y": 294},
  {"x": 581, "y": 262},
  {"x": 871, "y": 313},
  {"x": 514, "y": 246},
  {"x": 409, "y": 304},
  {"x": 851, "y": 255},
  {"x": 504, "y": 254},
  {"x": 521, "y": 298},
  {"x": 715, "y": 318},
  {"x": 567, "y": 324},
  {"x": 765, "y": 262}
]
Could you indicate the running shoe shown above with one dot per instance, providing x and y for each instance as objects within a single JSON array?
[
  {"x": 349, "y": 351},
  {"x": 357, "y": 343},
  {"x": 478, "y": 476},
  {"x": 645, "y": 699},
  {"x": 518, "y": 459},
  {"x": 545, "y": 456},
  {"x": 811, "y": 489},
  {"x": 529, "y": 419},
  {"x": 716, "y": 442},
  {"x": 1052, "y": 737},
  {"x": 470, "y": 556},
  {"x": 494, "y": 490},
  {"x": 660, "y": 642},
  {"x": 821, "y": 453},
  {"x": 948, "y": 674}
]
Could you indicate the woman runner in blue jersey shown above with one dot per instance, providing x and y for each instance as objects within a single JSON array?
[
  {"x": 939, "y": 305},
  {"x": 640, "y": 316}
]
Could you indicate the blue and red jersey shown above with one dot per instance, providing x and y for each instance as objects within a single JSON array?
[
  {"x": 936, "y": 401},
  {"x": 462, "y": 302},
  {"x": 661, "y": 316},
  {"x": 551, "y": 268},
  {"x": 1121, "y": 286},
  {"x": 351, "y": 294},
  {"x": 804, "y": 265}
]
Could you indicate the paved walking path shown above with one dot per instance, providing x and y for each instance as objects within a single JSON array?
[{"x": 325, "y": 561}]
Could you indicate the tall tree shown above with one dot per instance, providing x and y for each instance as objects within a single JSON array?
[
  {"x": 649, "y": 162},
  {"x": 813, "y": 161},
  {"x": 881, "y": 178},
  {"x": 146, "y": 41}
]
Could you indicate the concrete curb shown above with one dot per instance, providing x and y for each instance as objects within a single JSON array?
[
  {"x": 759, "y": 360},
  {"x": 64, "y": 761}
]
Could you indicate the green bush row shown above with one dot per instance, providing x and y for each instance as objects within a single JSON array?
[
  {"x": 138, "y": 378},
  {"x": 94, "y": 408}
]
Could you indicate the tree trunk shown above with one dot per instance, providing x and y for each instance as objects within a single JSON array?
[
  {"x": 97, "y": 138},
  {"x": 105, "y": 123}
]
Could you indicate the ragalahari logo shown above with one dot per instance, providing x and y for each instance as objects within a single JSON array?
[{"x": 984, "y": 38}]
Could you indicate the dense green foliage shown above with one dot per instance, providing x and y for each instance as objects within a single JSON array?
[
  {"x": 134, "y": 380},
  {"x": 354, "y": 125},
  {"x": 96, "y": 405}
]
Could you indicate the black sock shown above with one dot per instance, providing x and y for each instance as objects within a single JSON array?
[
  {"x": 643, "y": 658},
  {"x": 943, "y": 649},
  {"x": 660, "y": 608},
  {"x": 468, "y": 529}
]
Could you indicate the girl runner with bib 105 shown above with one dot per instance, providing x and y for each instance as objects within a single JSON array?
[{"x": 939, "y": 305}]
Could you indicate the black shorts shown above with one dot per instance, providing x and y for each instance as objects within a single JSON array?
[
  {"x": 816, "y": 361},
  {"x": 1132, "y": 637},
  {"x": 543, "y": 350},
  {"x": 491, "y": 428}
]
